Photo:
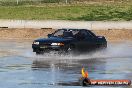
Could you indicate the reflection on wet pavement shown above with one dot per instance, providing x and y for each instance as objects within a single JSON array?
[{"x": 21, "y": 68}]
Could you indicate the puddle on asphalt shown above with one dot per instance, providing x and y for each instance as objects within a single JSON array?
[{"x": 21, "y": 68}]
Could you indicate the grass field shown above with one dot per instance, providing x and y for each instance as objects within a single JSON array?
[{"x": 89, "y": 12}]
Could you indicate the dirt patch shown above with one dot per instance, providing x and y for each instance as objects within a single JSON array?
[
  {"x": 115, "y": 34},
  {"x": 21, "y": 33}
]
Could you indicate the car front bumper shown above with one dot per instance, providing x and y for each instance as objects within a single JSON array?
[{"x": 38, "y": 48}]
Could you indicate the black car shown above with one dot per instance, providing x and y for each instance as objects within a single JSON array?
[{"x": 69, "y": 40}]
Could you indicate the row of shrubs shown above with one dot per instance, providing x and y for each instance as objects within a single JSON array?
[
  {"x": 30, "y": 2},
  {"x": 36, "y": 2}
]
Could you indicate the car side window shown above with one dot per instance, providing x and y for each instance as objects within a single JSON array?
[
  {"x": 90, "y": 34},
  {"x": 59, "y": 33},
  {"x": 86, "y": 34},
  {"x": 81, "y": 35}
]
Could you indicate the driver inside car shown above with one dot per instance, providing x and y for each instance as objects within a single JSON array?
[
  {"x": 67, "y": 34},
  {"x": 80, "y": 36}
]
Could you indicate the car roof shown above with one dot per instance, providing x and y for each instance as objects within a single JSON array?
[{"x": 71, "y": 29}]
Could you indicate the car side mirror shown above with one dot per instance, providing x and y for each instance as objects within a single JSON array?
[{"x": 49, "y": 35}]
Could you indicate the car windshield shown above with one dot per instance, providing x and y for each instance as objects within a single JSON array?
[{"x": 65, "y": 33}]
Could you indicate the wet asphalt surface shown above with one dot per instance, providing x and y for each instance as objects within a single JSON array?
[{"x": 21, "y": 68}]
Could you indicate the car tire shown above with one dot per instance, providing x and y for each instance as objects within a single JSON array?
[
  {"x": 71, "y": 49},
  {"x": 38, "y": 53},
  {"x": 104, "y": 45}
]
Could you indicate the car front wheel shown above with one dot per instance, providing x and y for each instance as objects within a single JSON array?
[{"x": 38, "y": 53}]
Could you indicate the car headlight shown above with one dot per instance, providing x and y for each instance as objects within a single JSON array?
[
  {"x": 36, "y": 43},
  {"x": 57, "y": 44}
]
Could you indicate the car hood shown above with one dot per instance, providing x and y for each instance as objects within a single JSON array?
[{"x": 54, "y": 39}]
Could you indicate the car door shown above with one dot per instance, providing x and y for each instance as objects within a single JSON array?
[
  {"x": 86, "y": 41},
  {"x": 91, "y": 39},
  {"x": 81, "y": 37}
]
